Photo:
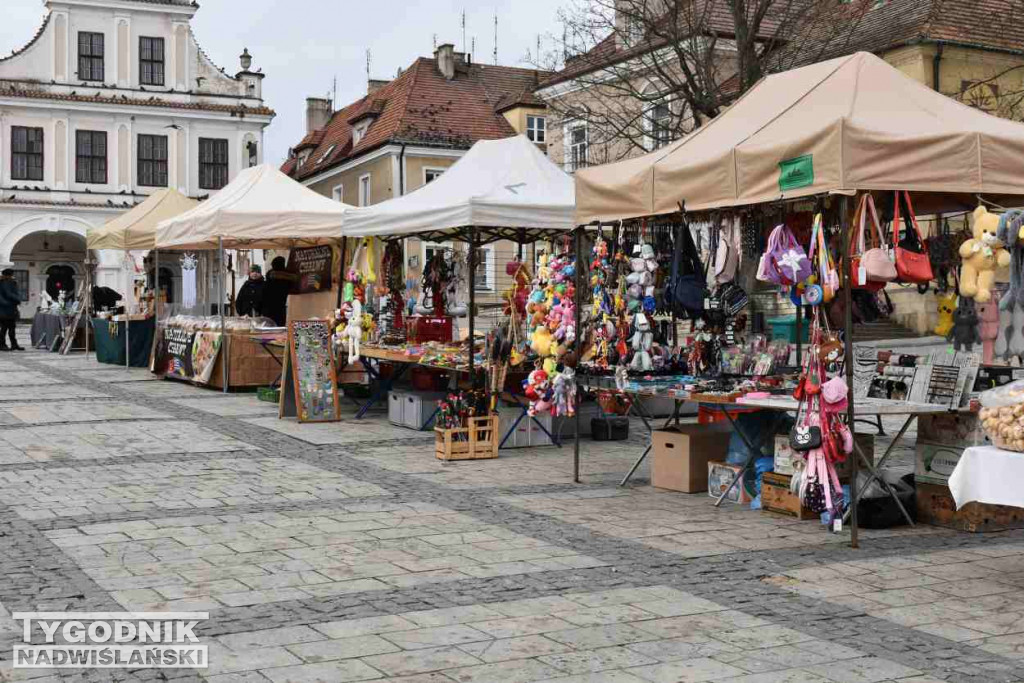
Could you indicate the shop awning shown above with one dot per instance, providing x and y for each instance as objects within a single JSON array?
[
  {"x": 136, "y": 229},
  {"x": 507, "y": 187},
  {"x": 843, "y": 125},
  {"x": 260, "y": 209}
]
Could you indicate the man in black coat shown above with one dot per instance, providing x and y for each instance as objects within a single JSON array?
[
  {"x": 250, "y": 297},
  {"x": 275, "y": 292},
  {"x": 10, "y": 299}
]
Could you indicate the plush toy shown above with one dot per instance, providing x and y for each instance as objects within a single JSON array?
[
  {"x": 947, "y": 306},
  {"x": 537, "y": 388},
  {"x": 540, "y": 341},
  {"x": 981, "y": 255},
  {"x": 642, "y": 341},
  {"x": 988, "y": 314},
  {"x": 353, "y": 333},
  {"x": 965, "y": 333}
]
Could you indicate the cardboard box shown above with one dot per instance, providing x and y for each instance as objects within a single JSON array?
[
  {"x": 719, "y": 476},
  {"x": 935, "y": 506},
  {"x": 776, "y": 497},
  {"x": 951, "y": 429},
  {"x": 681, "y": 455},
  {"x": 934, "y": 462}
]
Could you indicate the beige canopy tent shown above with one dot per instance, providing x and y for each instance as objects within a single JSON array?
[
  {"x": 848, "y": 124},
  {"x": 136, "y": 229},
  {"x": 261, "y": 208}
]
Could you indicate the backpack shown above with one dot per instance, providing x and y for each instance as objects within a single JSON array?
[{"x": 687, "y": 285}]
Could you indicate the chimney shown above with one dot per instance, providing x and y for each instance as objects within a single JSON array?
[
  {"x": 373, "y": 85},
  {"x": 445, "y": 56},
  {"x": 318, "y": 113}
]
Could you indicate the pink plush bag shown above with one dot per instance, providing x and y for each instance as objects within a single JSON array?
[{"x": 785, "y": 262}]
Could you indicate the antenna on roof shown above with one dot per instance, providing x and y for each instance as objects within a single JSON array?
[
  {"x": 463, "y": 30},
  {"x": 369, "y": 60},
  {"x": 334, "y": 93},
  {"x": 495, "y": 37},
  {"x": 435, "y": 42},
  {"x": 537, "y": 57}
]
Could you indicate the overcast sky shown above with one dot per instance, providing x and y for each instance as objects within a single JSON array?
[{"x": 303, "y": 44}]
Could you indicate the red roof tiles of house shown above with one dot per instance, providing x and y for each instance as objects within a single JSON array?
[{"x": 420, "y": 107}]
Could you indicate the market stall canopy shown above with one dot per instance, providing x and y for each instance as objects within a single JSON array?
[
  {"x": 509, "y": 188},
  {"x": 261, "y": 208},
  {"x": 136, "y": 229},
  {"x": 847, "y": 124}
]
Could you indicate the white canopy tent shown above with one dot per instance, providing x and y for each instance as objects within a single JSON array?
[
  {"x": 506, "y": 188},
  {"x": 261, "y": 208}
]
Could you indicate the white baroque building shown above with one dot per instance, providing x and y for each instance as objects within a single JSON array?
[{"x": 111, "y": 100}]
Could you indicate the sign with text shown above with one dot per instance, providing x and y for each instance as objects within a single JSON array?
[
  {"x": 313, "y": 265},
  {"x": 187, "y": 354}
]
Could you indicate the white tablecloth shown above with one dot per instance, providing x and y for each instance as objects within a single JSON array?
[{"x": 986, "y": 474}]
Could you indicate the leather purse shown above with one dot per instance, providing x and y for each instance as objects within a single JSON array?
[
  {"x": 911, "y": 266},
  {"x": 804, "y": 438},
  {"x": 870, "y": 268}
]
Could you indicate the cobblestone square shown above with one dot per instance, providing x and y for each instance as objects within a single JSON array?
[{"x": 338, "y": 552}]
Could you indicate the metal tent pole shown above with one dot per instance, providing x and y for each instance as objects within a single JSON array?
[
  {"x": 87, "y": 302},
  {"x": 128, "y": 316},
  {"x": 472, "y": 302},
  {"x": 578, "y": 346},
  {"x": 156, "y": 285},
  {"x": 845, "y": 227},
  {"x": 220, "y": 310}
]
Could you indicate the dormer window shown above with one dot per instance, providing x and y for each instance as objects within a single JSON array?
[
  {"x": 359, "y": 132},
  {"x": 323, "y": 157}
]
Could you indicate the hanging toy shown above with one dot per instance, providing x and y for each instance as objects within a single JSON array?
[
  {"x": 946, "y": 306},
  {"x": 353, "y": 332}
]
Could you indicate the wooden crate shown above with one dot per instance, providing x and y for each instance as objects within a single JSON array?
[
  {"x": 478, "y": 441},
  {"x": 776, "y": 497},
  {"x": 935, "y": 506}
]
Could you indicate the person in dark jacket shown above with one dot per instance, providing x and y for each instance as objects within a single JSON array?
[
  {"x": 104, "y": 298},
  {"x": 250, "y": 297},
  {"x": 275, "y": 292},
  {"x": 10, "y": 299}
]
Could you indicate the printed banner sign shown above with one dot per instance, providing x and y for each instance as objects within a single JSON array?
[
  {"x": 187, "y": 354},
  {"x": 313, "y": 265}
]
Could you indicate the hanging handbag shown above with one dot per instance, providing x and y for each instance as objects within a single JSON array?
[
  {"x": 806, "y": 436},
  {"x": 785, "y": 263},
  {"x": 911, "y": 266},
  {"x": 687, "y": 286},
  {"x": 870, "y": 268}
]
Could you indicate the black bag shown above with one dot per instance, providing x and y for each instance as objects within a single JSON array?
[
  {"x": 687, "y": 286},
  {"x": 805, "y": 438},
  {"x": 732, "y": 297}
]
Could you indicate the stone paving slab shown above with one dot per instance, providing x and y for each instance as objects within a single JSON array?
[
  {"x": 169, "y": 388},
  {"x": 230, "y": 405},
  {"x": 70, "y": 411},
  {"x": 341, "y": 433},
  {"x": 110, "y": 440},
  {"x": 75, "y": 363},
  {"x": 194, "y": 484},
  {"x": 23, "y": 378},
  {"x": 47, "y": 392},
  {"x": 115, "y": 375},
  {"x": 214, "y": 559}
]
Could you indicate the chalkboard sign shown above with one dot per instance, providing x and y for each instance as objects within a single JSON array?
[
  {"x": 312, "y": 391},
  {"x": 313, "y": 265}
]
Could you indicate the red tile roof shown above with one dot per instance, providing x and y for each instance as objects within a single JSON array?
[
  {"x": 18, "y": 90},
  {"x": 421, "y": 107}
]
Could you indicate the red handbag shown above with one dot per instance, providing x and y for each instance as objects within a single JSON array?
[{"x": 911, "y": 266}]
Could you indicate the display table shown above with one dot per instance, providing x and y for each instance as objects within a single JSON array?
[
  {"x": 110, "y": 341},
  {"x": 46, "y": 327},
  {"x": 990, "y": 475}
]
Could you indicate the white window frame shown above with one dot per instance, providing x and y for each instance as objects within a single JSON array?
[
  {"x": 431, "y": 246},
  {"x": 338, "y": 193},
  {"x": 567, "y": 144},
  {"x": 432, "y": 169},
  {"x": 531, "y": 132},
  {"x": 488, "y": 284},
  {"x": 326, "y": 154},
  {"x": 651, "y": 143},
  {"x": 365, "y": 189},
  {"x": 359, "y": 132}
]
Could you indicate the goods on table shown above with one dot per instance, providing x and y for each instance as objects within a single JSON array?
[{"x": 1002, "y": 416}]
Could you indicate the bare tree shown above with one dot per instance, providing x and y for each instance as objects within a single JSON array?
[{"x": 646, "y": 72}]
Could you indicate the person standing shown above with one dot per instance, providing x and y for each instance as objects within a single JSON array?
[
  {"x": 275, "y": 292},
  {"x": 10, "y": 300},
  {"x": 250, "y": 297}
]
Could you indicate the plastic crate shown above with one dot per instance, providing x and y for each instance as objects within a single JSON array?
[
  {"x": 785, "y": 329},
  {"x": 423, "y": 328}
]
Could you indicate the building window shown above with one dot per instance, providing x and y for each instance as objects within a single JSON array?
[
  {"x": 359, "y": 132},
  {"x": 338, "y": 193},
  {"x": 484, "y": 276},
  {"x": 659, "y": 125},
  {"x": 90, "y": 56},
  {"x": 21, "y": 277},
  {"x": 364, "y": 190},
  {"x": 26, "y": 153},
  {"x": 253, "y": 151},
  {"x": 577, "y": 142},
  {"x": 213, "y": 163},
  {"x": 151, "y": 61},
  {"x": 432, "y": 248},
  {"x": 91, "y": 156},
  {"x": 153, "y": 160},
  {"x": 323, "y": 157},
  {"x": 536, "y": 129},
  {"x": 431, "y": 174}
]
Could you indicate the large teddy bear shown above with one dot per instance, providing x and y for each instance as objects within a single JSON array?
[{"x": 981, "y": 256}]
